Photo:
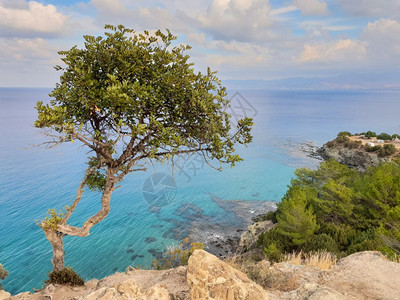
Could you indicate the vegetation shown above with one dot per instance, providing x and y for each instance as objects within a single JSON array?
[
  {"x": 65, "y": 276},
  {"x": 370, "y": 134},
  {"x": 384, "y": 136},
  {"x": 3, "y": 274},
  {"x": 132, "y": 99},
  {"x": 338, "y": 210},
  {"x": 323, "y": 259},
  {"x": 176, "y": 255}
]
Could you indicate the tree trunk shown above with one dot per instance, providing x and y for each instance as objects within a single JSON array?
[{"x": 56, "y": 240}]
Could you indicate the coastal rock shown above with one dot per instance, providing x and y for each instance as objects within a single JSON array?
[
  {"x": 4, "y": 295},
  {"x": 365, "y": 275},
  {"x": 250, "y": 237},
  {"x": 211, "y": 278},
  {"x": 357, "y": 159}
]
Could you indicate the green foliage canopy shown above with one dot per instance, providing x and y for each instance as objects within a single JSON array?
[
  {"x": 130, "y": 96},
  {"x": 337, "y": 209}
]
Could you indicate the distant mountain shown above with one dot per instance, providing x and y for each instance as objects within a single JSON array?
[{"x": 343, "y": 82}]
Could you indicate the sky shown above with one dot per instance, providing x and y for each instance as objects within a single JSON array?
[{"x": 332, "y": 43}]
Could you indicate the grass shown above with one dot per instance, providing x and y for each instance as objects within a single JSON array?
[{"x": 321, "y": 259}]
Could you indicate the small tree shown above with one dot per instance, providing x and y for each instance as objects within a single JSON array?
[
  {"x": 132, "y": 99},
  {"x": 296, "y": 219},
  {"x": 3, "y": 274},
  {"x": 384, "y": 136},
  {"x": 370, "y": 134}
]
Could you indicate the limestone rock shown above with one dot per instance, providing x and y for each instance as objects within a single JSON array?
[
  {"x": 4, "y": 295},
  {"x": 211, "y": 278},
  {"x": 353, "y": 158},
  {"x": 365, "y": 275},
  {"x": 249, "y": 237},
  {"x": 158, "y": 292}
]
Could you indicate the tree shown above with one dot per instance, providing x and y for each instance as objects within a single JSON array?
[
  {"x": 131, "y": 99},
  {"x": 384, "y": 136},
  {"x": 370, "y": 134},
  {"x": 296, "y": 219}
]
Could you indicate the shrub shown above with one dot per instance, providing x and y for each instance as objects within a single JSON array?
[
  {"x": 273, "y": 253},
  {"x": 387, "y": 150},
  {"x": 395, "y": 136},
  {"x": 66, "y": 276},
  {"x": 370, "y": 134},
  {"x": 344, "y": 133},
  {"x": 321, "y": 259},
  {"x": 384, "y": 136},
  {"x": 176, "y": 255},
  {"x": 3, "y": 274},
  {"x": 369, "y": 148},
  {"x": 321, "y": 242}
]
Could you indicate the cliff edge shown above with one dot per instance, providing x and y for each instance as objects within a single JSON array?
[{"x": 364, "y": 275}]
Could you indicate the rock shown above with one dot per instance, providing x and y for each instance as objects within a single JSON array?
[
  {"x": 210, "y": 278},
  {"x": 365, "y": 275},
  {"x": 22, "y": 296},
  {"x": 357, "y": 159},
  {"x": 129, "y": 288},
  {"x": 110, "y": 294},
  {"x": 313, "y": 291},
  {"x": 4, "y": 295},
  {"x": 158, "y": 292},
  {"x": 96, "y": 294},
  {"x": 250, "y": 237}
]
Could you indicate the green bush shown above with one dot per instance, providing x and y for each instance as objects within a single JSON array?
[
  {"x": 177, "y": 255},
  {"x": 321, "y": 242},
  {"x": 66, "y": 276},
  {"x": 395, "y": 136},
  {"x": 387, "y": 150},
  {"x": 344, "y": 133},
  {"x": 384, "y": 136},
  {"x": 370, "y": 134},
  {"x": 3, "y": 274},
  {"x": 336, "y": 209},
  {"x": 273, "y": 253},
  {"x": 376, "y": 148}
]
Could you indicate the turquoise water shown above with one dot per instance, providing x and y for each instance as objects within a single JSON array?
[{"x": 33, "y": 179}]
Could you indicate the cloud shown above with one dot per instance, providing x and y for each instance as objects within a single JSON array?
[
  {"x": 24, "y": 19},
  {"x": 371, "y": 8},
  {"x": 25, "y": 49},
  {"x": 241, "y": 20},
  {"x": 333, "y": 52},
  {"x": 383, "y": 38},
  {"x": 311, "y": 7}
]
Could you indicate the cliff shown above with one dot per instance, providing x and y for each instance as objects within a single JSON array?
[
  {"x": 364, "y": 275},
  {"x": 355, "y": 158}
]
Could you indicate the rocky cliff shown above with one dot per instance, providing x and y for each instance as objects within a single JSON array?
[
  {"x": 358, "y": 159},
  {"x": 364, "y": 275}
]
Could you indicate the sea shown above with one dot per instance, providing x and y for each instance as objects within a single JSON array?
[{"x": 153, "y": 210}]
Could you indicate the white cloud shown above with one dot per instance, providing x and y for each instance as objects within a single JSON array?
[
  {"x": 383, "y": 38},
  {"x": 311, "y": 7},
  {"x": 242, "y": 20},
  {"x": 25, "y": 49},
  {"x": 333, "y": 52},
  {"x": 284, "y": 10},
  {"x": 372, "y": 8},
  {"x": 24, "y": 19}
]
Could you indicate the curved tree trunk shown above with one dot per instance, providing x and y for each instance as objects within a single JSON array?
[{"x": 56, "y": 240}]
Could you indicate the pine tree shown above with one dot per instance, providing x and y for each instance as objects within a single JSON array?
[{"x": 296, "y": 218}]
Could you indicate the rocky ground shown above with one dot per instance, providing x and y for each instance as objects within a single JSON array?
[
  {"x": 357, "y": 159},
  {"x": 364, "y": 275}
]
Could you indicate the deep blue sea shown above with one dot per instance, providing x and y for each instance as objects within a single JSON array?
[{"x": 33, "y": 179}]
